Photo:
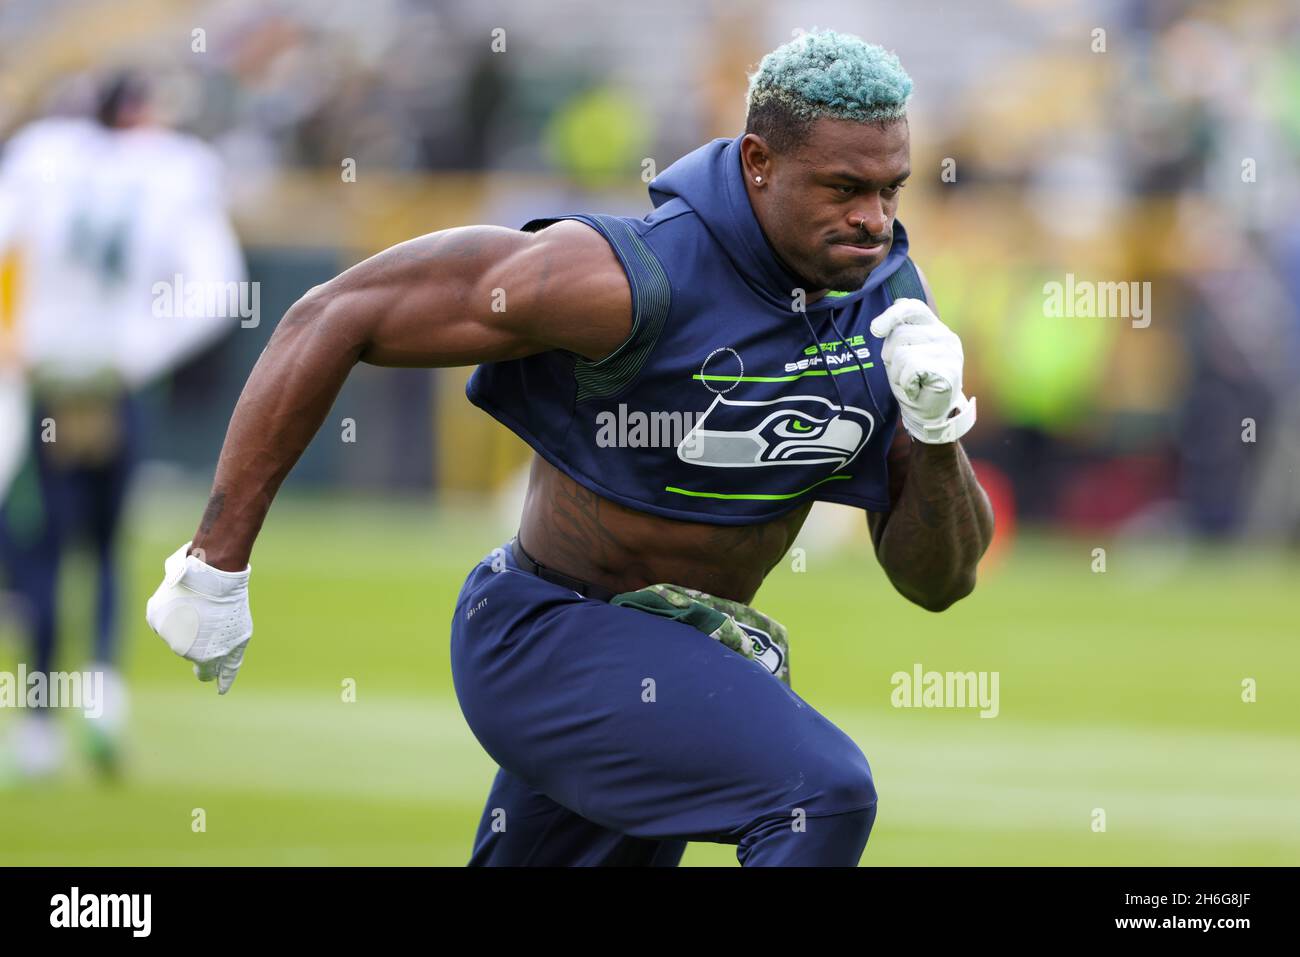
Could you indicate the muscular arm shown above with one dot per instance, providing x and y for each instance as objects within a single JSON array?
[
  {"x": 940, "y": 522},
  {"x": 457, "y": 297}
]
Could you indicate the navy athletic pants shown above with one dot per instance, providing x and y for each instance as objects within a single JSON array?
[
  {"x": 620, "y": 736},
  {"x": 48, "y": 508}
]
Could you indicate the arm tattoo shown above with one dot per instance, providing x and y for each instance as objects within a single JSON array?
[
  {"x": 213, "y": 512},
  {"x": 939, "y": 527}
]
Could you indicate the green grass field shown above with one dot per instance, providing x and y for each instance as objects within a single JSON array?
[{"x": 1119, "y": 691}]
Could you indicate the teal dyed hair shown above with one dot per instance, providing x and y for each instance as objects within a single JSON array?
[{"x": 824, "y": 74}]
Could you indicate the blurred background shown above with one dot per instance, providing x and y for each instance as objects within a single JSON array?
[{"x": 1148, "y": 142}]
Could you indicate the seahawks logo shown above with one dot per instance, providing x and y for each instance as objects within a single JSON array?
[
  {"x": 766, "y": 652},
  {"x": 794, "y": 430}
]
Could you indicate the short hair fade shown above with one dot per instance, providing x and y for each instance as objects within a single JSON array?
[{"x": 819, "y": 75}]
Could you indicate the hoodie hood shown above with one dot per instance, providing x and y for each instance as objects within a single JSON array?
[{"x": 710, "y": 180}]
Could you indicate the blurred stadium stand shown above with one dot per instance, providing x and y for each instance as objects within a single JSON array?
[{"x": 1118, "y": 165}]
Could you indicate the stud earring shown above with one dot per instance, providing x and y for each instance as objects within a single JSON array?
[{"x": 758, "y": 179}]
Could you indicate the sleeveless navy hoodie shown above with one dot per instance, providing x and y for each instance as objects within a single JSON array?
[{"x": 725, "y": 404}]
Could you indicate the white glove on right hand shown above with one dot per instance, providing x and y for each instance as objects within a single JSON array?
[{"x": 202, "y": 613}]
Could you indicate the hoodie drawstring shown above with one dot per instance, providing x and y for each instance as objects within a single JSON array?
[
  {"x": 830, "y": 373},
  {"x": 817, "y": 347},
  {"x": 861, "y": 368}
]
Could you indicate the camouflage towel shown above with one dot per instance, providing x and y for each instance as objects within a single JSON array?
[{"x": 742, "y": 629}]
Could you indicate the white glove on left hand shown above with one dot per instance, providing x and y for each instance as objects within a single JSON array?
[
  {"x": 202, "y": 613},
  {"x": 923, "y": 362}
]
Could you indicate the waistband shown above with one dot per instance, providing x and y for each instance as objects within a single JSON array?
[{"x": 528, "y": 564}]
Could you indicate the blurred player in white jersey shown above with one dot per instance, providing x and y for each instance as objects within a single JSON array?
[{"x": 99, "y": 211}]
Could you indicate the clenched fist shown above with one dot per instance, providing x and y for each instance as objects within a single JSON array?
[
  {"x": 203, "y": 615},
  {"x": 923, "y": 362}
]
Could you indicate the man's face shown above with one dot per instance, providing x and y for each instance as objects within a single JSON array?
[{"x": 811, "y": 200}]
